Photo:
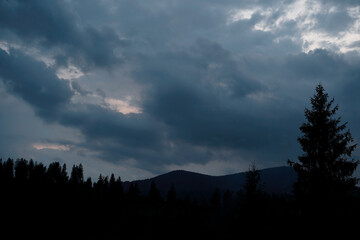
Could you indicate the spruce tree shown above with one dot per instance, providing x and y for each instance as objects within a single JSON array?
[
  {"x": 154, "y": 196},
  {"x": 252, "y": 186},
  {"x": 171, "y": 196},
  {"x": 253, "y": 194},
  {"x": 325, "y": 168},
  {"x": 77, "y": 175},
  {"x": 215, "y": 200}
]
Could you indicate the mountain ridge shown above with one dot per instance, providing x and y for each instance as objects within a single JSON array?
[{"x": 275, "y": 180}]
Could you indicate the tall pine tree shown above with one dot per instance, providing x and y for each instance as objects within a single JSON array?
[{"x": 325, "y": 169}]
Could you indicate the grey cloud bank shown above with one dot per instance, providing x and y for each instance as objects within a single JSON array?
[{"x": 214, "y": 83}]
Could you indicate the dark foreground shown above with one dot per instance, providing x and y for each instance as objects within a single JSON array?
[{"x": 45, "y": 203}]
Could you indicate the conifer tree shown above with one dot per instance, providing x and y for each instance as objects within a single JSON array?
[
  {"x": 54, "y": 173},
  {"x": 325, "y": 168},
  {"x": 21, "y": 170},
  {"x": 112, "y": 180},
  {"x": 171, "y": 195},
  {"x": 215, "y": 200},
  {"x": 77, "y": 174},
  {"x": 115, "y": 188},
  {"x": 119, "y": 187},
  {"x": 154, "y": 196},
  {"x": 252, "y": 186},
  {"x": 252, "y": 194},
  {"x": 6, "y": 171},
  {"x": 64, "y": 176},
  {"x": 133, "y": 192}
]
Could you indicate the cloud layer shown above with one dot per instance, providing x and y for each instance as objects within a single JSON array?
[{"x": 142, "y": 88}]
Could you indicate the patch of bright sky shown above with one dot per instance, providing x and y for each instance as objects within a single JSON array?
[
  {"x": 261, "y": 97},
  {"x": 240, "y": 14},
  {"x": 71, "y": 72},
  {"x": 53, "y": 146},
  {"x": 213, "y": 168},
  {"x": 122, "y": 106},
  {"x": 5, "y": 46},
  {"x": 127, "y": 170},
  {"x": 303, "y": 13}
]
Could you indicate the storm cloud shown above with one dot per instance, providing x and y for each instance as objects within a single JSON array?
[
  {"x": 35, "y": 83},
  {"x": 56, "y": 28},
  {"x": 144, "y": 87}
]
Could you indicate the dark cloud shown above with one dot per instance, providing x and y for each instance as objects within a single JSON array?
[
  {"x": 38, "y": 21},
  {"x": 100, "y": 124},
  {"x": 204, "y": 67},
  {"x": 186, "y": 101},
  {"x": 338, "y": 72},
  {"x": 208, "y": 88},
  {"x": 50, "y": 97},
  {"x": 319, "y": 64},
  {"x": 195, "y": 93},
  {"x": 35, "y": 83},
  {"x": 52, "y": 24}
]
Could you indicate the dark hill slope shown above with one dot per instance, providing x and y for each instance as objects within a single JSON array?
[{"x": 278, "y": 180}]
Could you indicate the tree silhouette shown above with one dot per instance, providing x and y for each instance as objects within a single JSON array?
[
  {"x": 112, "y": 180},
  {"x": 57, "y": 174},
  {"x": 171, "y": 196},
  {"x": 88, "y": 184},
  {"x": 229, "y": 203},
  {"x": 38, "y": 174},
  {"x": 154, "y": 196},
  {"x": 252, "y": 186},
  {"x": 21, "y": 170},
  {"x": 29, "y": 190},
  {"x": 77, "y": 175},
  {"x": 7, "y": 171},
  {"x": 325, "y": 168},
  {"x": 116, "y": 191},
  {"x": 215, "y": 200},
  {"x": 251, "y": 197},
  {"x": 133, "y": 192}
]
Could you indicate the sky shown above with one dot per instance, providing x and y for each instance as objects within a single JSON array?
[{"x": 140, "y": 88}]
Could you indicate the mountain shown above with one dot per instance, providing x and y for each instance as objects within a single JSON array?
[{"x": 277, "y": 180}]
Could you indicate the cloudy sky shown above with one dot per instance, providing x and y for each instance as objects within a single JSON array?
[{"x": 140, "y": 88}]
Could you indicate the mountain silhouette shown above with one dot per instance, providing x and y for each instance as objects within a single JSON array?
[{"x": 277, "y": 180}]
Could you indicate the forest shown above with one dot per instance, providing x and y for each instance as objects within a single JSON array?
[{"x": 39, "y": 201}]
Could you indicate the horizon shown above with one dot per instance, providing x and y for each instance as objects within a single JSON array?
[
  {"x": 93, "y": 178},
  {"x": 140, "y": 89},
  {"x": 189, "y": 171}
]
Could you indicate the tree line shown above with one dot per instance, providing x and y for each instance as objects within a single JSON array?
[
  {"x": 49, "y": 197},
  {"x": 40, "y": 197},
  {"x": 326, "y": 198}
]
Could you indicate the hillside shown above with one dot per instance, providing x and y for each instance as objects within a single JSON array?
[{"x": 277, "y": 180}]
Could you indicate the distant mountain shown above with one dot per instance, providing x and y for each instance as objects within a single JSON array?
[{"x": 277, "y": 180}]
